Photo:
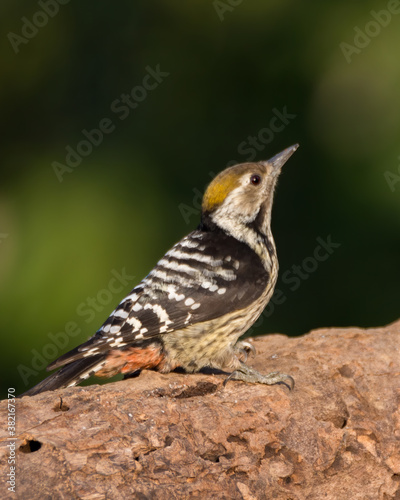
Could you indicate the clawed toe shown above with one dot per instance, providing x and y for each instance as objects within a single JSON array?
[
  {"x": 232, "y": 376},
  {"x": 244, "y": 348},
  {"x": 249, "y": 348},
  {"x": 288, "y": 381},
  {"x": 247, "y": 374}
]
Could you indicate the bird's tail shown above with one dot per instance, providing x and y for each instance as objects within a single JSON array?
[{"x": 69, "y": 375}]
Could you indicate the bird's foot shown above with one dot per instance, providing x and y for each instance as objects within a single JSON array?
[{"x": 247, "y": 374}]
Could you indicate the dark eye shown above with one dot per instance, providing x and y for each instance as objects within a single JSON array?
[{"x": 255, "y": 179}]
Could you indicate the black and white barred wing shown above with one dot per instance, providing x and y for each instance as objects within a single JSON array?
[{"x": 204, "y": 276}]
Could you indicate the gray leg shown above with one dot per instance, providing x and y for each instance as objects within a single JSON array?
[{"x": 247, "y": 374}]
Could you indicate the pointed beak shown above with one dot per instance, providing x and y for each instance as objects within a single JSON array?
[{"x": 281, "y": 158}]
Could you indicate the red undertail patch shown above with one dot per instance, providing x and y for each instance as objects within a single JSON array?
[{"x": 132, "y": 359}]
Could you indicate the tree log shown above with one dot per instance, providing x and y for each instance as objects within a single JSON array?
[{"x": 181, "y": 436}]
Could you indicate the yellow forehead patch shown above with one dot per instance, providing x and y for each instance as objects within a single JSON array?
[{"x": 219, "y": 189}]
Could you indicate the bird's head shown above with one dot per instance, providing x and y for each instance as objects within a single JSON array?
[{"x": 243, "y": 194}]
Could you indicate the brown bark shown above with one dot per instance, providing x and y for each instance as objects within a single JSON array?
[{"x": 335, "y": 436}]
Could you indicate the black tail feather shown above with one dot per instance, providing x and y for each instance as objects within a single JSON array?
[{"x": 71, "y": 374}]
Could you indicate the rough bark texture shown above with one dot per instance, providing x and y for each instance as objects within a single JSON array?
[{"x": 335, "y": 436}]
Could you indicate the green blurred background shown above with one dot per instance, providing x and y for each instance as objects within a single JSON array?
[{"x": 226, "y": 69}]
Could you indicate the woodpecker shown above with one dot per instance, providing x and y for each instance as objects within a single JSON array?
[{"x": 200, "y": 298}]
